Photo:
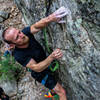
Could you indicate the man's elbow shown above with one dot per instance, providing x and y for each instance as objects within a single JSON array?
[
  {"x": 36, "y": 68},
  {"x": 34, "y": 29}
]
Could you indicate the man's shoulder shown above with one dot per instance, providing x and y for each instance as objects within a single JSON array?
[
  {"x": 26, "y": 30},
  {"x": 21, "y": 56},
  {"x": 18, "y": 53}
]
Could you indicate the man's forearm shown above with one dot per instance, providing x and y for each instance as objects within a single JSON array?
[
  {"x": 55, "y": 17},
  {"x": 38, "y": 67},
  {"x": 41, "y": 24},
  {"x": 43, "y": 64}
]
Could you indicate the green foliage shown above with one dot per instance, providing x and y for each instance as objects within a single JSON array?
[{"x": 9, "y": 69}]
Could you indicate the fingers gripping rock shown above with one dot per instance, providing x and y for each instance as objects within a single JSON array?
[{"x": 60, "y": 13}]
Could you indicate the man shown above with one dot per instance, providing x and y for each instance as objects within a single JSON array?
[{"x": 29, "y": 53}]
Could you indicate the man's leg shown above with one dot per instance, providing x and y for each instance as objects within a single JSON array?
[{"x": 60, "y": 91}]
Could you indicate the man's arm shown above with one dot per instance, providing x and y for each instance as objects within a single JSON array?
[
  {"x": 54, "y": 17},
  {"x": 42, "y": 23},
  {"x": 38, "y": 67}
]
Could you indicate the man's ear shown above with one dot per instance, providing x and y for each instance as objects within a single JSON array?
[{"x": 12, "y": 45}]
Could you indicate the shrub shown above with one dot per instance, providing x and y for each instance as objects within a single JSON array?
[{"x": 9, "y": 69}]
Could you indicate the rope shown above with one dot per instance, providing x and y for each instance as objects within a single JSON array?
[{"x": 55, "y": 64}]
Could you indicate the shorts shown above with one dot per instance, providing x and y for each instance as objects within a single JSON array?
[{"x": 50, "y": 82}]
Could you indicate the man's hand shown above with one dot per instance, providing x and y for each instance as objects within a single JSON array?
[
  {"x": 38, "y": 67},
  {"x": 56, "y": 54},
  {"x": 54, "y": 17},
  {"x": 58, "y": 15}
]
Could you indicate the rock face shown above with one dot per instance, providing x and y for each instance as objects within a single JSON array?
[
  {"x": 10, "y": 88},
  {"x": 1, "y": 30},
  {"x": 28, "y": 90},
  {"x": 3, "y": 16},
  {"x": 79, "y": 39},
  {"x": 25, "y": 89}
]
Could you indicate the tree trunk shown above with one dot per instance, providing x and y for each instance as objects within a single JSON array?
[{"x": 78, "y": 38}]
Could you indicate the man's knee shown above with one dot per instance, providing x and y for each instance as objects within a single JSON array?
[
  {"x": 63, "y": 91},
  {"x": 59, "y": 89}
]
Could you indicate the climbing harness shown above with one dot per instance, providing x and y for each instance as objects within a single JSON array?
[
  {"x": 55, "y": 64},
  {"x": 44, "y": 79}
]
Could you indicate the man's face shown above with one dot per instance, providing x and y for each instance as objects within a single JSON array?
[{"x": 16, "y": 36}]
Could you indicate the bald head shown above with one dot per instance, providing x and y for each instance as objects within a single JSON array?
[
  {"x": 14, "y": 36},
  {"x": 6, "y": 31},
  {"x": 10, "y": 34}
]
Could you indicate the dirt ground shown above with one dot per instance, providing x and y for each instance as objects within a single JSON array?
[{"x": 15, "y": 18}]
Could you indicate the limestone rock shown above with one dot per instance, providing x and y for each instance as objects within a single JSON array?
[
  {"x": 1, "y": 30},
  {"x": 28, "y": 90},
  {"x": 79, "y": 40},
  {"x": 1, "y": 19},
  {"x": 98, "y": 16},
  {"x": 9, "y": 87},
  {"x": 3, "y": 16}
]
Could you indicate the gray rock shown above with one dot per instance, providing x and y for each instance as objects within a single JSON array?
[
  {"x": 3, "y": 15},
  {"x": 97, "y": 4},
  {"x": 79, "y": 40},
  {"x": 1, "y": 30},
  {"x": 27, "y": 90},
  {"x": 98, "y": 17},
  {"x": 10, "y": 87},
  {"x": 1, "y": 19}
]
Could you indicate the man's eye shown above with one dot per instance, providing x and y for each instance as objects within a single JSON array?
[{"x": 17, "y": 37}]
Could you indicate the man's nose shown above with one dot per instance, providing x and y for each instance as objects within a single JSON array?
[{"x": 21, "y": 35}]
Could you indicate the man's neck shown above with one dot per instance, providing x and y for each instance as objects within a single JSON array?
[{"x": 22, "y": 46}]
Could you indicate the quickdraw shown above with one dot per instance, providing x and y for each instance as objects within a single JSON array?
[{"x": 55, "y": 64}]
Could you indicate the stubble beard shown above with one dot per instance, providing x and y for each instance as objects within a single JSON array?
[{"x": 25, "y": 41}]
